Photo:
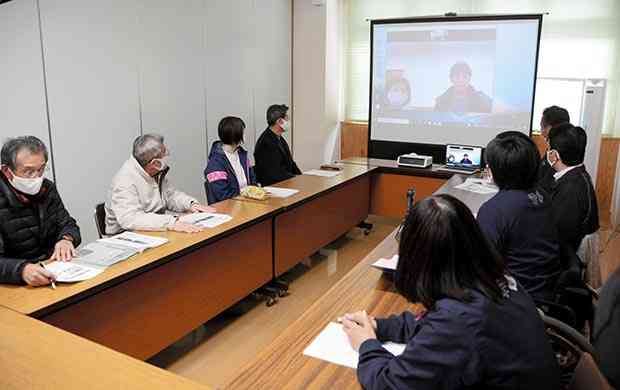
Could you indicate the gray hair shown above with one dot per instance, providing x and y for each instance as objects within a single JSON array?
[
  {"x": 12, "y": 146},
  {"x": 147, "y": 147}
]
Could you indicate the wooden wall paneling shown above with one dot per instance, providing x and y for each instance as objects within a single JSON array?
[
  {"x": 143, "y": 315},
  {"x": 606, "y": 178},
  {"x": 389, "y": 192},
  {"x": 354, "y": 139}
]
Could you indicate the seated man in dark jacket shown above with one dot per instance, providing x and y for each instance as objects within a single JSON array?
[
  {"x": 552, "y": 117},
  {"x": 274, "y": 161},
  {"x": 518, "y": 219},
  {"x": 573, "y": 199},
  {"x": 34, "y": 224}
]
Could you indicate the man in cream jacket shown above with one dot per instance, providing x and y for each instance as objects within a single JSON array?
[{"x": 141, "y": 195}]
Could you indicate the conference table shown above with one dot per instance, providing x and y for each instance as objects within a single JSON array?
[
  {"x": 140, "y": 306},
  {"x": 282, "y": 364}
]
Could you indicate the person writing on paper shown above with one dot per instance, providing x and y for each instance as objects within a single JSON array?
[
  {"x": 141, "y": 193},
  {"x": 229, "y": 169},
  {"x": 34, "y": 223},
  {"x": 464, "y": 339},
  {"x": 461, "y": 97},
  {"x": 573, "y": 199},
  {"x": 518, "y": 219},
  {"x": 552, "y": 117},
  {"x": 274, "y": 161}
]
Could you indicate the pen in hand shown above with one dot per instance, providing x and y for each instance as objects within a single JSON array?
[{"x": 53, "y": 283}]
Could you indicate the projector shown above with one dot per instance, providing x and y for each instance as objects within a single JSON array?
[{"x": 415, "y": 160}]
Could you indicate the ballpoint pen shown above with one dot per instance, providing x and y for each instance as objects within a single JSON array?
[{"x": 53, "y": 284}]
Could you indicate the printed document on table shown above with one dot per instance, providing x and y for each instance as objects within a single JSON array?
[
  {"x": 389, "y": 264},
  {"x": 278, "y": 192},
  {"x": 206, "y": 220},
  {"x": 332, "y": 345},
  {"x": 478, "y": 186},
  {"x": 323, "y": 173},
  {"x": 69, "y": 272},
  {"x": 139, "y": 242},
  {"x": 101, "y": 254}
]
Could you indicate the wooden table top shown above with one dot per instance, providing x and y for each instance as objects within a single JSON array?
[
  {"x": 310, "y": 186},
  {"x": 391, "y": 166},
  {"x": 35, "y": 355},
  {"x": 283, "y": 365},
  {"x": 41, "y": 300}
]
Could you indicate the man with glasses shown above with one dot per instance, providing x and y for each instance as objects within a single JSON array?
[
  {"x": 141, "y": 196},
  {"x": 34, "y": 224}
]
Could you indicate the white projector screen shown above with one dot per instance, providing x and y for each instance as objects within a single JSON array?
[{"x": 452, "y": 80}]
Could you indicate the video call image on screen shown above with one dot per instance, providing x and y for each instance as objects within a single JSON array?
[
  {"x": 452, "y": 81},
  {"x": 463, "y": 156}
]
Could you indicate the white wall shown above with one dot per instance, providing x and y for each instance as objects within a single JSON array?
[
  {"x": 22, "y": 98},
  {"x": 317, "y": 69},
  {"x": 118, "y": 68}
]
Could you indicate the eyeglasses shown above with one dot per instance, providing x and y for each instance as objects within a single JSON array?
[{"x": 32, "y": 173}]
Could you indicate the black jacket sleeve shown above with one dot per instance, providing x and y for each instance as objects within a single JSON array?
[
  {"x": 397, "y": 328},
  {"x": 67, "y": 225},
  {"x": 10, "y": 268}
]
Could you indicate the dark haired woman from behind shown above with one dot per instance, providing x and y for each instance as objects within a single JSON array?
[
  {"x": 229, "y": 169},
  {"x": 481, "y": 330}
]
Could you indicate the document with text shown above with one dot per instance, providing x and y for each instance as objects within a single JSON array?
[
  {"x": 206, "y": 220},
  {"x": 69, "y": 272},
  {"x": 278, "y": 192},
  {"x": 332, "y": 345},
  {"x": 323, "y": 173},
  {"x": 139, "y": 242}
]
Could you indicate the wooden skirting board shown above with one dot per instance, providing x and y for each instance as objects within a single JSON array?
[{"x": 354, "y": 143}]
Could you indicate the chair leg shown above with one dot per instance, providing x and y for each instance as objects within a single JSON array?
[{"x": 367, "y": 227}]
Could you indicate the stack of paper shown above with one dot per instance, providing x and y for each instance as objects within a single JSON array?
[
  {"x": 69, "y": 272},
  {"x": 206, "y": 220},
  {"x": 478, "y": 186},
  {"x": 388, "y": 264},
  {"x": 278, "y": 192},
  {"x": 139, "y": 242},
  {"x": 101, "y": 254},
  {"x": 323, "y": 173},
  {"x": 332, "y": 345}
]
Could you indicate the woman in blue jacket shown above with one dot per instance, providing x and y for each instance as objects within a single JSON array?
[
  {"x": 229, "y": 169},
  {"x": 481, "y": 329}
]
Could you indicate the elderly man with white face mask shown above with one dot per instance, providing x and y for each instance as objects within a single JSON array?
[
  {"x": 34, "y": 224},
  {"x": 141, "y": 194}
]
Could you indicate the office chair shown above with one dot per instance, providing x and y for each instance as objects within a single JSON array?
[
  {"x": 99, "y": 216},
  {"x": 568, "y": 346},
  {"x": 588, "y": 376}
]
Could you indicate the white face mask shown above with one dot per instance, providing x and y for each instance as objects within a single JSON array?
[
  {"x": 27, "y": 186},
  {"x": 285, "y": 125},
  {"x": 164, "y": 162}
]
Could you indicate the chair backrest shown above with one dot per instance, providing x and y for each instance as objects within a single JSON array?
[
  {"x": 100, "y": 219},
  {"x": 587, "y": 375},
  {"x": 589, "y": 253}
]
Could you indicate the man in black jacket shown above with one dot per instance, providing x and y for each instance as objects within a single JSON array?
[
  {"x": 552, "y": 117},
  {"x": 274, "y": 161},
  {"x": 34, "y": 224},
  {"x": 573, "y": 199}
]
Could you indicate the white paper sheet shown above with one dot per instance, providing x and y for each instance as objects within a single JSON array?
[
  {"x": 278, "y": 192},
  {"x": 478, "y": 186},
  {"x": 207, "y": 220},
  {"x": 101, "y": 254},
  {"x": 333, "y": 346},
  {"x": 69, "y": 272},
  {"x": 390, "y": 263},
  {"x": 321, "y": 172},
  {"x": 137, "y": 241}
]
